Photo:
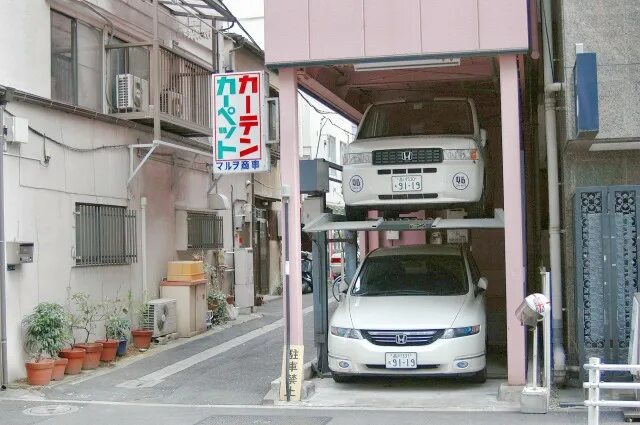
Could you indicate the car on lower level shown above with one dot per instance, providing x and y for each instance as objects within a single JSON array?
[
  {"x": 411, "y": 310},
  {"x": 409, "y": 156}
]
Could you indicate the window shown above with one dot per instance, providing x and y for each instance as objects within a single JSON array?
[
  {"x": 443, "y": 117},
  {"x": 343, "y": 150},
  {"x": 76, "y": 62},
  {"x": 204, "y": 231},
  {"x": 333, "y": 154},
  {"x": 105, "y": 235},
  {"x": 416, "y": 274}
]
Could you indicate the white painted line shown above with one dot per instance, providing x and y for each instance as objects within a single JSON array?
[{"x": 159, "y": 375}]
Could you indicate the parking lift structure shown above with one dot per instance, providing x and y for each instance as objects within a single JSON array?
[{"x": 321, "y": 45}]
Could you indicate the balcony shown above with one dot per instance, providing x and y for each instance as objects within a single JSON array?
[{"x": 183, "y": 88}]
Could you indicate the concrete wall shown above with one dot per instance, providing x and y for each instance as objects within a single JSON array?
[{"x": 610, "y": 30}]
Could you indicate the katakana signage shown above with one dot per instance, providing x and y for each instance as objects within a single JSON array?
[{"x": 239, "y": 117}]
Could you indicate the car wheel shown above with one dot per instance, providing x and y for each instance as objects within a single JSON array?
[
  {"x": 341, "y": 379},
  {"x": 355, "y": 214},
  {"x": 479, "y": 377}
]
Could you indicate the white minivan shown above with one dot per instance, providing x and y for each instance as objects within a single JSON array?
[
  {"x": 412, "y": 155},
  {"x": 411, "y": 310}
]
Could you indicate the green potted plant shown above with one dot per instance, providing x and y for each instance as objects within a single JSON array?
[
  {"x": 84, "y": 318},
  {"x": 113, "y": 315},
  {"x": 45, "y": 333},
  {"x": 117, "y": 327},
  {"x": 217, "y": 301},
  {"x": 141, "y": 336}
]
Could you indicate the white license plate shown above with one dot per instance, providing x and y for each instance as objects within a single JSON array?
[
  {"x": 401, "y": 360},
  {"x": 406, "y": 183}
]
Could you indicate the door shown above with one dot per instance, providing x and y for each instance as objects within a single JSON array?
[
  {"x": 261, "y": 244},
  {"x": 606, "y": 248}
]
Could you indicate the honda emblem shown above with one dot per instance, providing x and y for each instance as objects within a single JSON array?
[
  {"x": 401, "y": 339},
  {"x": 407, "y": 156}
]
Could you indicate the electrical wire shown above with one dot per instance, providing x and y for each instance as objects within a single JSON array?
[
  {"x": 324, "y": 113},
  {"x": 241, "y": 26}
]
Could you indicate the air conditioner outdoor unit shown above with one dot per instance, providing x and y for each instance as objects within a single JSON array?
[
  {"x": 172, "y": 103},
  {"x": 131, "y": 93},
  {"x": 161, "y": 317}
]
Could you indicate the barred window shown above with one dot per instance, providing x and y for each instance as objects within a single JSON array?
[
  {"x": 204, "y": 231},
  {"x": 105, "y": 235}
]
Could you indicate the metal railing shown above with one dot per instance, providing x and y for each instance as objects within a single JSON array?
[
  {"x": 204, "y": 231},
  {"x": 594, "y": 402},
  {"x": 105, "y": 235}
]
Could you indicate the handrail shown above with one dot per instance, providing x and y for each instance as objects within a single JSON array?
[{"x": 594, "y": 402}]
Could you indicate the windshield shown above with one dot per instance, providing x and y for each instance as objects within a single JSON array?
[
  {"x": 415, "y": 274},
  {"x": 442, "y": 117}
]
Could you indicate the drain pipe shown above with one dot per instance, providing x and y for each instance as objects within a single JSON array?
[
  {"x": 550, "y": 90},
  {"x": 3, "y": 262},
  {"x": 143, "y": 245}
]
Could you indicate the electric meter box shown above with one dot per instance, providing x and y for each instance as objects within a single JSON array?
[
  {"x": 19, "y": 253},
  {"x": 314, "y": 176}
]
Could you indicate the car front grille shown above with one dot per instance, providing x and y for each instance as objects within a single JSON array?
[
  {"x": 402, "y": 338},
  {"x": 407, "y": 156},
  {"x": 408, "y": 196}
]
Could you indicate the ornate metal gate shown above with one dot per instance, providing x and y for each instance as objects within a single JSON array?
[{"x": 606, "y": 224}]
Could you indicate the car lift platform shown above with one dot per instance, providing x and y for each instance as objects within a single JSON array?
[{"x": 328, "y": 221}]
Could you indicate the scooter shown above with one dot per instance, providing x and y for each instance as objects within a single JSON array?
[{"x": 307, "y": 281}]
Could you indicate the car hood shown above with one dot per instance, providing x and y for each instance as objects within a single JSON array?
[{"x": 404, "y": 312}]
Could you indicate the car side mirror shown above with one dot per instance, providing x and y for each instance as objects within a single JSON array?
[
  {"x": 482, "y": 285},
  {"x": 483, "y": 137}
]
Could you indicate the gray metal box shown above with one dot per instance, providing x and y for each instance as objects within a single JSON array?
[
  {"x": 314, "y": 176},
  {"x": 19, "y": 252}
]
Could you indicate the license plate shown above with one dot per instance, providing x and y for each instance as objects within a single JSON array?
[
  {"x": 401, "y": 360},
  {"x": 406, "y": 183}
]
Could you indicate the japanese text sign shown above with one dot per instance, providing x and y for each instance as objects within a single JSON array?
[
  {"x": 239, "y": 139},
  {"x": 294, "y": 369}
]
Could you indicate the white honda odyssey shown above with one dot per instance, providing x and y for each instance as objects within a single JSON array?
[
  {"x": 411, "y": 310},
  {"x": 409, "y": 156}
]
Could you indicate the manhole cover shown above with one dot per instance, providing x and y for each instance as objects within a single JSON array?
[{"x": 51, "y": 410}]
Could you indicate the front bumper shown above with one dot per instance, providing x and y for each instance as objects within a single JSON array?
[
  {"x": 363, "y": 185},
  {"x": 456, "y": 356}
]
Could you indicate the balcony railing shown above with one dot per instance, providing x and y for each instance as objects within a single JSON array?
[{"x": 184, "y": 88}]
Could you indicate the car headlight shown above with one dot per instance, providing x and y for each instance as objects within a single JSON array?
[
  {"x": 460, "y": 154},
  {"x": 356, "y": 158},
  {"x": 458, "y": 332},
  {"x": 346, "y": 332}
]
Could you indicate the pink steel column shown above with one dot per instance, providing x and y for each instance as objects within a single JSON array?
[
  {"x": 290, "y": 176},
  {"x": 514, "y": 237}
]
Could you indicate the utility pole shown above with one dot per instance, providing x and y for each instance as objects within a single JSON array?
[{"x": 3, "y": 264}]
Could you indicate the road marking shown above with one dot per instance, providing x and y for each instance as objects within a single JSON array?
[{"x": 159, "y": 375}]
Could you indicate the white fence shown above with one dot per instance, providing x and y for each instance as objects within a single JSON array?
[{"x": 594, "y": 402}]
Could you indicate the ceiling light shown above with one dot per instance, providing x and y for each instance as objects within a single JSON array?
[{"x": 407, "y": 64}]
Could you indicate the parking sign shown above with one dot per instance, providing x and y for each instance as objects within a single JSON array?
[{"x": 239, "y": 116}]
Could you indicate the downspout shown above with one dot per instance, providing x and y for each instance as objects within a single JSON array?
[
  {"x": 3, "y": 262},
  {"x": 550, "y": 90},
  {"x": 143, "y": 246}
]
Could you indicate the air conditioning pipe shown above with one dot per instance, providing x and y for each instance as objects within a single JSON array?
[{"x": 550, "y": 89}]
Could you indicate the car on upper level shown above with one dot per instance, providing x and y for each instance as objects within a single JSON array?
[{"x": 415, "y": 155}]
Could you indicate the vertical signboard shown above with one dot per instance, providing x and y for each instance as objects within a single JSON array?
[{"x": 239, "y": 139}]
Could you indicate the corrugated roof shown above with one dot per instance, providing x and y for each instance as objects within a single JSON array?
[{"x": 203, "y": 9}]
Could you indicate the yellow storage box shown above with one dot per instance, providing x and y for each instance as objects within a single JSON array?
[{"x": 185, "y": 271}]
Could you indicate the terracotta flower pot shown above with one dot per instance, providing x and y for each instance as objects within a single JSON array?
[
  {"x": 92, "y": 357},
  {"x": 76, "y": 359},
  {"x": 109, "y": 348},
  {"x": 230, "y": 299},
  {"x": 60, "y": 365},
  {"x": 141, "y": 338},
  {"x": 39, "y": 373}
]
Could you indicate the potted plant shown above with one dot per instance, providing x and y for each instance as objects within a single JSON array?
[
  {"x": 141, "y": 336},
  {"x": 218, "y": 300},
  {"x": 45, "y": 333},
  {"x": 117, "y": 327},
  {"x": 114, "y": 333},
  {"x": 84, "y": 318}
]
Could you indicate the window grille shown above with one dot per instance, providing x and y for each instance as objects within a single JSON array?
[
  {"x": 105, "y": 235},
  {"x": 204, "y": 231}
]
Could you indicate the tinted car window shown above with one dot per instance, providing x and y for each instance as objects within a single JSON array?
[
  {"x": 416, "y": 274},
  {"x": 417, "y": 118}
]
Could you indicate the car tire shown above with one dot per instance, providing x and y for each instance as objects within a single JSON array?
[
  {"x": 342, "y": 379},
  {"x": 355, "y": 213},
  {"x": 479, "y": 377}
]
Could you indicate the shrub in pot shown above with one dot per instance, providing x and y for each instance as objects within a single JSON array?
[
  {"x": 46, "y": 330},
  {"x": 84, "y": 318},
  {"x": 141, "y": 336},
  {"x": 117, "y": 328}
]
